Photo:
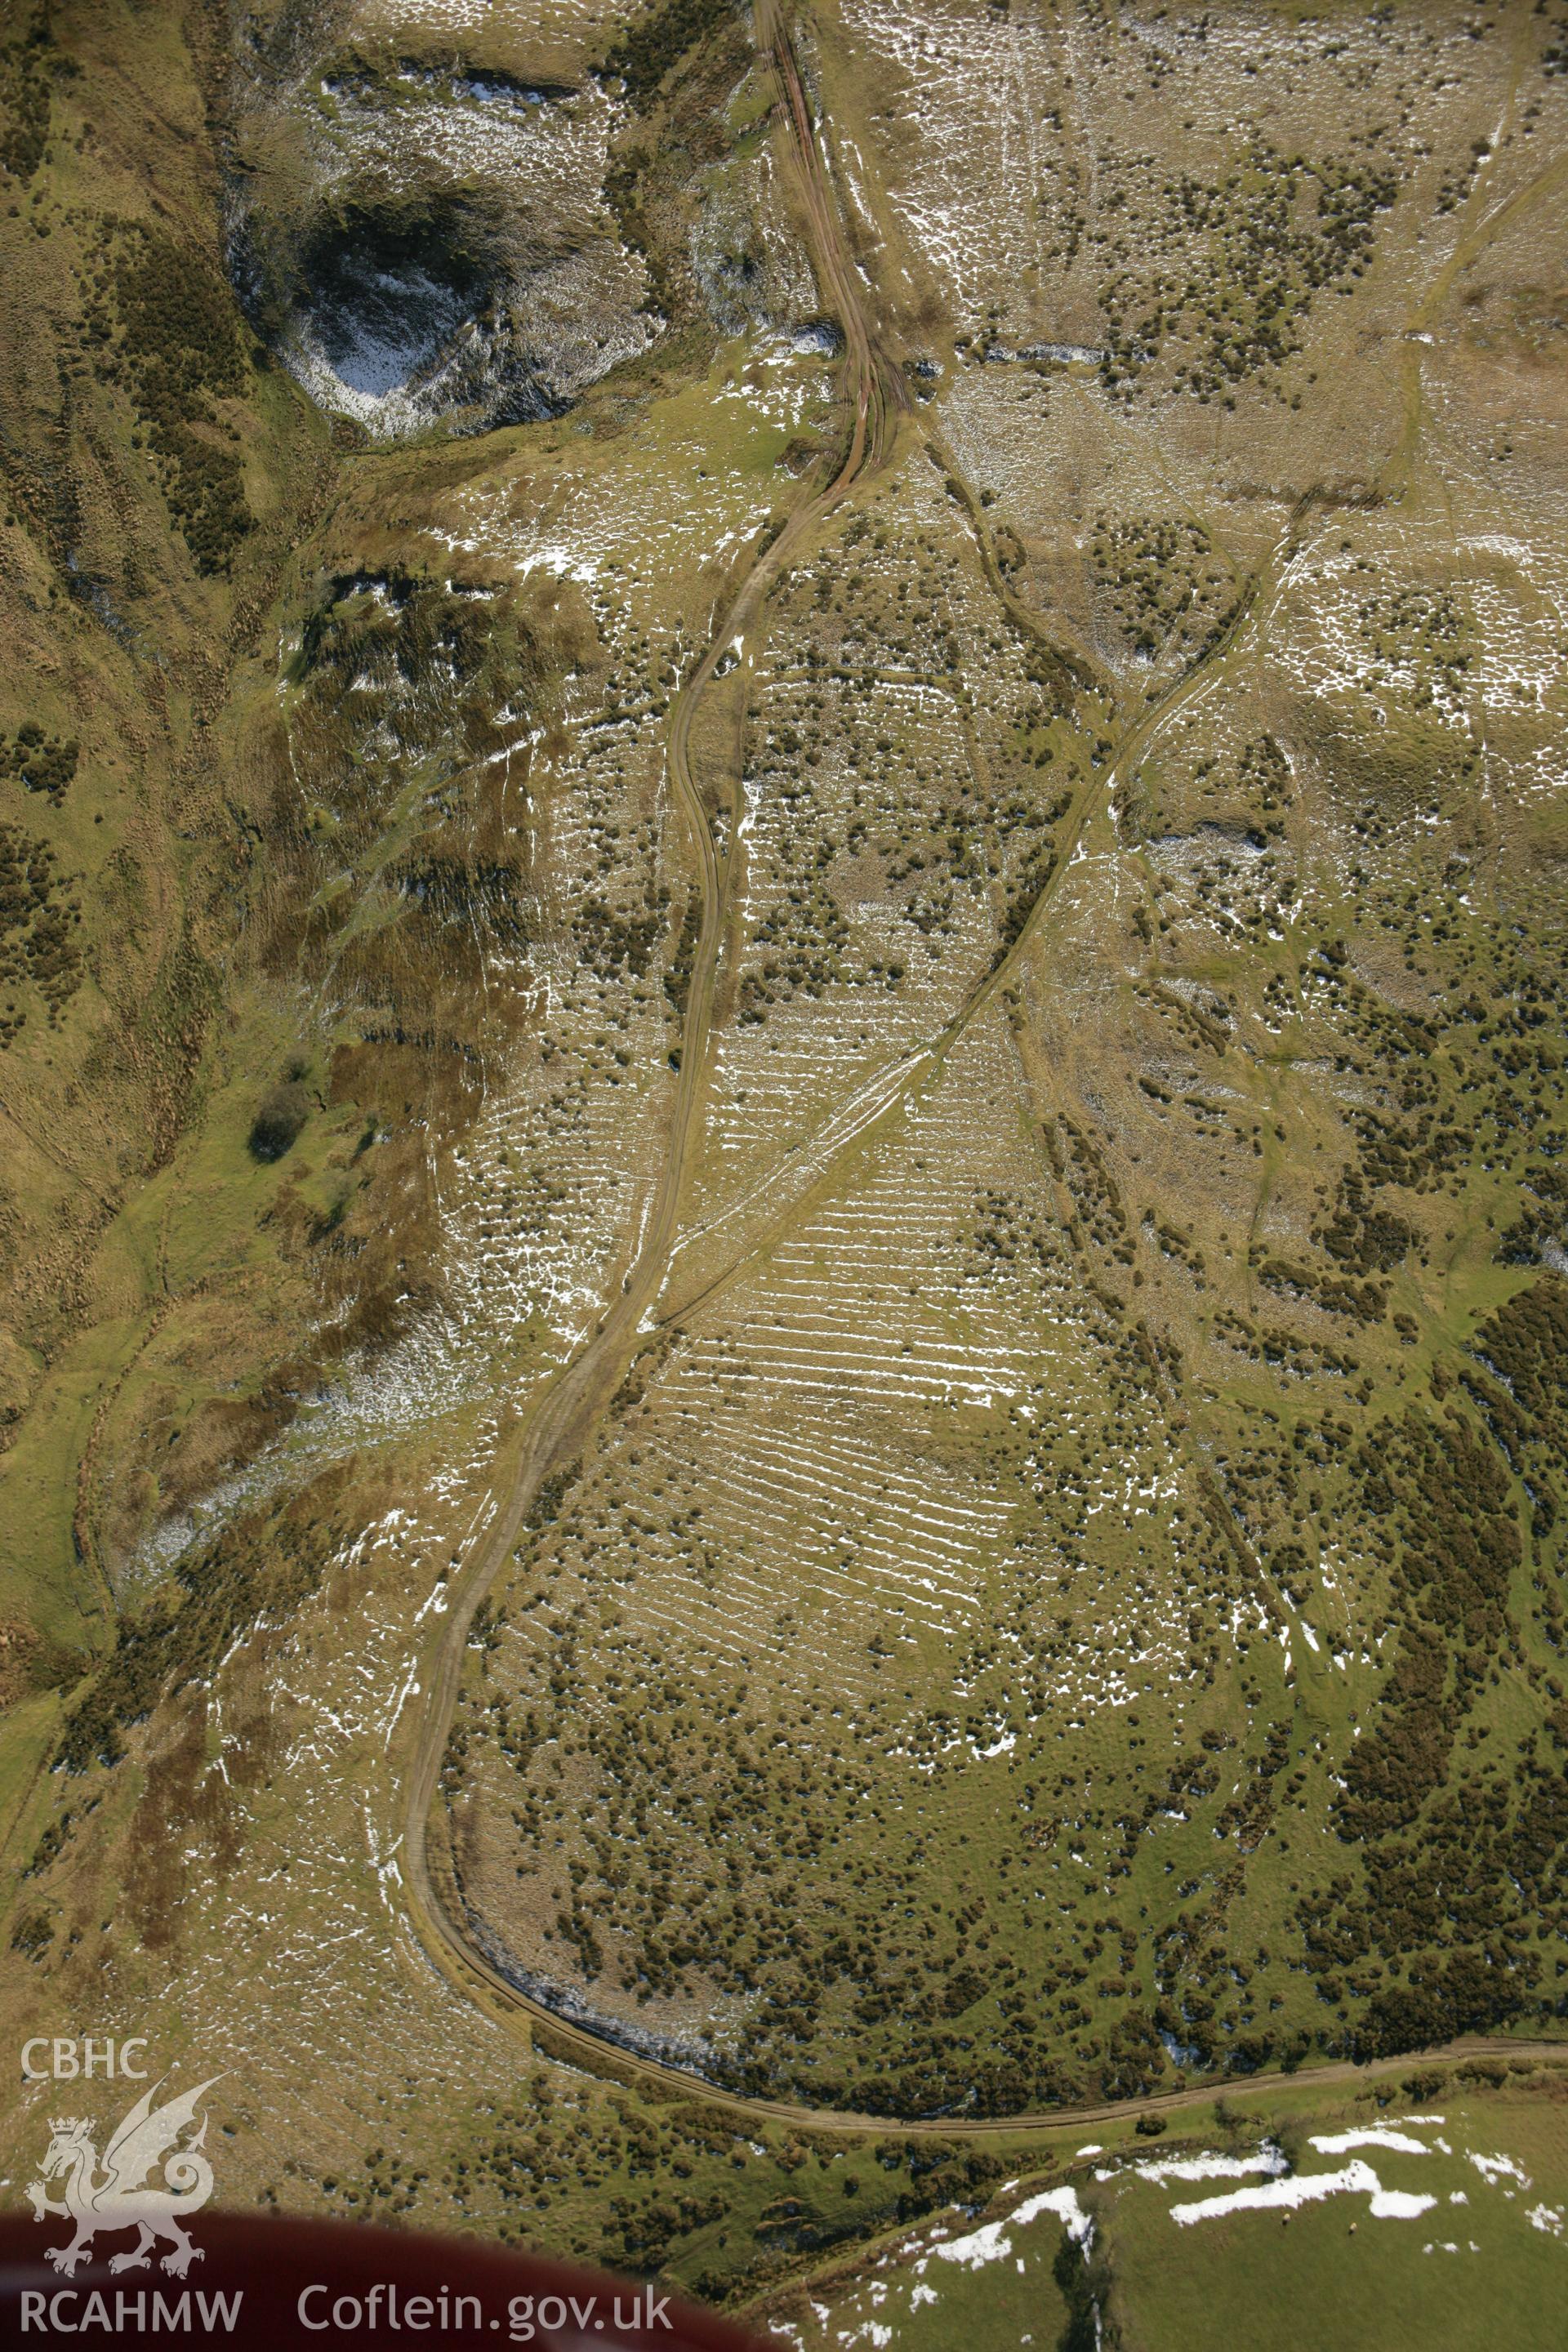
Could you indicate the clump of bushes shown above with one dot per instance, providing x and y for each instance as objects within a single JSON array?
[
  {"x": 251, "y": 1568},
  {"x": 44, "y": 763},
  {"x": 39, "y": 917},
  {"x": 178, "y": 349},
  {"x": 657, "y": 41},
  {"x": 27, "y": 71},
  {"x": 281, "y": 1114}
]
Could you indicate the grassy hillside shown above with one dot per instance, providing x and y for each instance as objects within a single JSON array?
[
  {"x": 1425, "y": 2211},
  {"x": 802, "y": 1029}
]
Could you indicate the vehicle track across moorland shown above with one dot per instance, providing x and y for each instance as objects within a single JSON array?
[
  {"x": 564, "y": 1419},
  {"x": 562, "y": 1423}
]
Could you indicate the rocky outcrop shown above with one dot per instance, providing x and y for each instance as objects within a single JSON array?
[{"x": 425, "y": 242}]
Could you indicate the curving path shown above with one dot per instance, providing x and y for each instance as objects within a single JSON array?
[{"x": 569, "y": 1410}]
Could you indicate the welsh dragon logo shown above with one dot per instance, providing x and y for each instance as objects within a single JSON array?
[{"x": 122, "y": 2198}]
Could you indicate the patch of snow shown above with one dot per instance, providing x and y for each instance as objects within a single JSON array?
[
  {"x": 1356, "y": 2178},
  {"x": 1494, "y": 2169},
  {"x": 991, "y": 2243},
  {"x": 1270, "y": 2161},
  {"x": 1337, "y": 2143}
]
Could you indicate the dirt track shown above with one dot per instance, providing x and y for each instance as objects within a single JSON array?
[{"x": 565, "y": 1420}]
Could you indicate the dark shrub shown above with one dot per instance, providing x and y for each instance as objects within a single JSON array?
[{"x": 278, "y": 1122}]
